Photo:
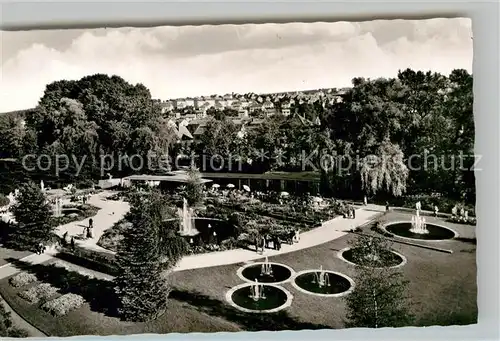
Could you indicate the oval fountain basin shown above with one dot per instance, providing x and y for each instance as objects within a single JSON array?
[
  {"x": 386, "y": 258},
  {"x": 253, "y": 272},
  {"x": 436, "y": 232},
  {"x": 273, "y": 298},
  {"x": 337, "y": 285}
]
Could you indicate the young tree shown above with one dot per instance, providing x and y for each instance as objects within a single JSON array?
[
  {"x": 34, "y": 219},
  {"x": 378, "y": 300},
  {"x": 140, "y": 286},
  {"x": 371, "y": 251}
]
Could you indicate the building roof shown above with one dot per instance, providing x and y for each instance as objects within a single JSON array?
[
  {"x": 183, "y": 131},
  {"x": 171, "y": 177}
]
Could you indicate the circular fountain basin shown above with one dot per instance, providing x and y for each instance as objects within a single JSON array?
[
  {"x": 204, "y": 228},
  {"x": 436, "y": 232},
  {"x": 387, "y": 259},
  {"x": 339, "y": 284},
  {"x": 281, "y": 273},
  {"x": 274, "y": 298}
]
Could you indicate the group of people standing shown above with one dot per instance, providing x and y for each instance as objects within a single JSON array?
[
  {"x": 350, "y": 212},
  {"x": 462, "y": 213},
  {"x": 418, "y": 207},
  {"x": 264, "y": 242}
]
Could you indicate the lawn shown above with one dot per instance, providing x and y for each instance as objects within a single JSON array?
[
  {"x": 442, "y": 290},
  {"x": 442, "y": 286},
  {"x": 93, "y": 317},
  {"x": 6, "y": 254}
]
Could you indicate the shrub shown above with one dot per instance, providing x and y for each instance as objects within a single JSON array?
[
  {"x": 428, "y": 202},
  {"x": 22, "y": 279},
  {"x": 63, "y": 305},
  {"x": 71, "y": 268},
  {"x": 462, "y": 220},
  {"x": 4, "y": 201},
  {"x": 84, "y": 212},
  {"x": 98, "y": 261},
  {"x": 41, "y": 292}
]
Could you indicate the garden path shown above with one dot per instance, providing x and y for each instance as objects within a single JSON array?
[{"x": 111, "y": 211}]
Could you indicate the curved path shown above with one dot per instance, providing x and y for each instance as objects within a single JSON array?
[
  {"x": 111, "y": 211},
  {"x": 20, "y": 322}
]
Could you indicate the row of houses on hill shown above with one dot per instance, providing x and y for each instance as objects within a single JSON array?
[
  {"x": 189, "y": 130},
  {"x": 248, "y": 104}
]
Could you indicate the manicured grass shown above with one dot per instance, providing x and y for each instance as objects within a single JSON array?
[
  {"x": 442, "y": 286},
  {"x": 6, "y": 254},
  {"x": 92, "y": 317},
  {"x": 442, "y": 291}
]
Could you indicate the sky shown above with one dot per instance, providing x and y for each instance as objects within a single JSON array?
[{"x": 183, "y": 61}]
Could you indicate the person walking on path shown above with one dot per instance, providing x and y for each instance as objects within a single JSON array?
[
  {"x": 89, "y": 232},
  {"x": 72, "y": 243},
  {"x": 387, "y": 206},
  {"x": 436, "y": 210},
  {"x": 353, "y": 213},
  {"x": 278, "y": 244},
  {"x": 365, "y": 201}
]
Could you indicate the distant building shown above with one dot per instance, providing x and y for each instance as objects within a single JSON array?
[{"x": 286, "y": 109}]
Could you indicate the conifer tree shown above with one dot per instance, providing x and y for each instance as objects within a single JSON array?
[
  {"x": 140, "y": 286},
  {"x": 33, "y": 216}
]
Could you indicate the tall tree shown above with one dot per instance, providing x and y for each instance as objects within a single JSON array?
[
  {"x": 141, "y": 287},
  {"x": 386, "y": 170},
  {"x": 33, "y": 217}
]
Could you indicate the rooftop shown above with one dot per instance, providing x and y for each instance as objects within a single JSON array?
[{"x": 171, "y": 177}]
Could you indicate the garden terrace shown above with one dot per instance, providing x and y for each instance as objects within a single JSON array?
[
  {"x": 293, "y": 182},
  {"x": 198, "y": 301}
]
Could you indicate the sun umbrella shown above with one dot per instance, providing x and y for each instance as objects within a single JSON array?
[
  {"x": 246, "y": 188},
  {"x": 284, "y": 194},
  {"x": 215, "y": 185},
  {"x": 230, "y": 186},
  {"x": 317, "y": 199}
]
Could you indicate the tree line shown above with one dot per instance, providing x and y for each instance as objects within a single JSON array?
[{"x": 406, "y": 117}]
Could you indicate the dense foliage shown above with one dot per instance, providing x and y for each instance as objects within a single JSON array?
[
  {"x": 33, "y": 217},
  {"x": 141, "y": 285}
]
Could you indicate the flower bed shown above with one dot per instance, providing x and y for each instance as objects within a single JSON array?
[
  {"x": 63, "y": 305},
  {"x": 84, "y": 212},
  {"x": 428, "y": 202},
  {"x": 41, "y": 292},
  {"x": 462, "y": 220},
  {"x": 22, "y": 279}
]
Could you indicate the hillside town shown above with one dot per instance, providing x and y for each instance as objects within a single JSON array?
[{"x": 189, "y": 116}]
